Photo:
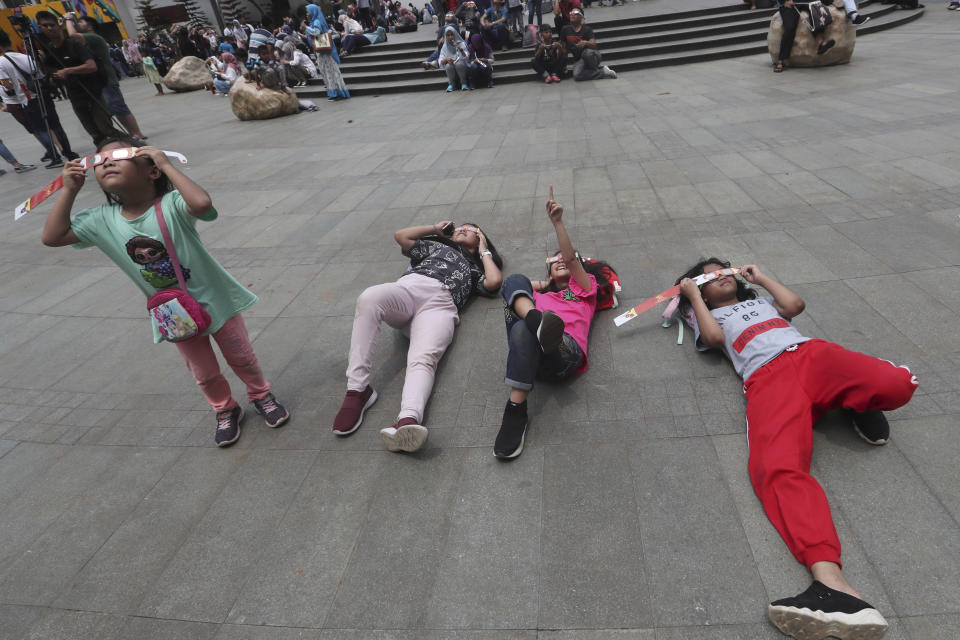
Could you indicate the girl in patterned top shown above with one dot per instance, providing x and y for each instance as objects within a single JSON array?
[{"x": 448, "y": 265}]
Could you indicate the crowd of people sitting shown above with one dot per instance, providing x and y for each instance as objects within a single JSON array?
[{"x": 469, "y": 35}]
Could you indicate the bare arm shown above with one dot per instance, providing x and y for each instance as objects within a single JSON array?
[
  {"x": 710, "y": 332},
  {"x": 555, "y": 212},
  {"x": 787, "y": 303},
  {"x": 194, "y": 196},
  {"x": 492, "y": 278},
  {"x": 407, "y": 236},
  {"x": 57, "y": 231}
]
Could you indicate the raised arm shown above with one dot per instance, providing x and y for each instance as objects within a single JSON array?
[
  {"x": 194, "y": 196},
  {"x": 492, "y": 277},
  {"x": 787, "y": 303},
  {"x": 407, "y": 236},
  {"x": 57, "y": 231},
  {"x": 555, "y": 212},
  {"x": 710, "y": 332}
]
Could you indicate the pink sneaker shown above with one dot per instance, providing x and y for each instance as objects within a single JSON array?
[
  {"x": 406, "y": 435},
  {"x": 351, "y": 412},
  {"x": 548, "y": 79}
]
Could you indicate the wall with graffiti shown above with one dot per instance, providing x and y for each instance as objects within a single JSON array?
[{"x": 104, "y": 11}]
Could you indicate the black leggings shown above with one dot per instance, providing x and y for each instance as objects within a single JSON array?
[{"x": 791, "y": 20}]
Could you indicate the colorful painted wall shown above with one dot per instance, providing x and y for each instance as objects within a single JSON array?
[{"x": 101, "y": 10}]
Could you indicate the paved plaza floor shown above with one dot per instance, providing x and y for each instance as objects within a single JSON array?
[{"x": 629, "y": 515}]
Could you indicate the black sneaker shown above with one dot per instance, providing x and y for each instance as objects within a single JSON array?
[
  {"x": 228, "y": 426},
  {"x": 548, "y": 327},
  {"x": 820, "y": 612},
  {"x": 23, "y": 168},
  {"x": 513, "y": 431},
  {"x": 272, "y": 411},
  {"x": 71, "y": 155},
  {"x": 860, "y": 19},
  {"x": 872, "y": 426},
  {"x": 56, "y": 162}
]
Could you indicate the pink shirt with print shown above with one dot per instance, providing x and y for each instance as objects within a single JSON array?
[{"x": 576, "y": 307}]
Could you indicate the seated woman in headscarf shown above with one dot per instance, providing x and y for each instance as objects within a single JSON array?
[
  {"x": 328, "y": 62},
  {"x": 226, "y": 73},
  {"x": 453, "y": 59},
  {"x": 353, "y": 37},
  {"x": 299, "y": 66},
  {"x": 480, "y": 69}
]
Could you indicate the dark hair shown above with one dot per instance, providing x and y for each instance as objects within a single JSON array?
[
  {"x": 4, "y": 39},
  {"x": 161, "y": 185},
  {"x": 473, "y": 257},
  {"x": 45, "y": 15},
  {"x": 92, "y": 22},
  {"x": 594, "y": 268},
  {"x": 743, "y": 291},
  {"x": 546, "y": 27}
]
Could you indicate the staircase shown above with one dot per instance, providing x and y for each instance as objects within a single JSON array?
[{"x": 627, "y": 44}]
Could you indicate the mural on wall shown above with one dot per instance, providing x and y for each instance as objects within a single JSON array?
[{"x": 104, "y": 11}]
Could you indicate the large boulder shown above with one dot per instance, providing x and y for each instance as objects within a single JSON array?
[
  {"x": 250, "y": 103},
  {"x": 804, "y": 52},
  {"x": 189, "y": 73}
]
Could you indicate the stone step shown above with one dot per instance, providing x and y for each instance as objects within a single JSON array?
[{"x": 623, "y": 54}]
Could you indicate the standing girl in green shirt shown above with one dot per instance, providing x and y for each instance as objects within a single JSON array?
[{"x": 126, "y": 229}]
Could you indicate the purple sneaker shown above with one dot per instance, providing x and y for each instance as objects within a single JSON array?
[
  {"x": 272, "y": 411},
  {"x": 228, "y": 426},
  {"x": 351, "y": 412}
]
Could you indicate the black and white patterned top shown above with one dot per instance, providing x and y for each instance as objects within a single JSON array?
[{"x": 449, "y": 265}]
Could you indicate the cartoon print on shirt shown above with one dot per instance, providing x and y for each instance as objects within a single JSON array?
[
  {"x": 569, "y": 296},
  {"x": 157, "y": 267}
]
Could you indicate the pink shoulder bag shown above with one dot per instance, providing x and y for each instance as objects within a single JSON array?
[{"x": 175, "y": 313}]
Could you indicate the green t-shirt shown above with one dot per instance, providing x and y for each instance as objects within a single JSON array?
[
  {"x": 136, "y": 246},
  {"x": 101, "y": 53}
]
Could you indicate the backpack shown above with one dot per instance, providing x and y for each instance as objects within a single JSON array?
[
  {"x": 820, "y": 17},
  {"x": 530, "y": 36},
  {"x": 606, "y": 292}
]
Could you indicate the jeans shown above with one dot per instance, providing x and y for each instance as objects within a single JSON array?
[
  {"x": 588, "y": 67},
  {"x": 534, "y": 5},
  {"x": 5, "y": 154},
  {"x": 525, "y": 360}
]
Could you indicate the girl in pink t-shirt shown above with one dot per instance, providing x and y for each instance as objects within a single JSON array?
[{"x": 548, "y": 323}]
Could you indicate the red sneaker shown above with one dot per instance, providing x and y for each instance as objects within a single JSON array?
[
  {"x": 406, "y": 435},
  {"x": 555, "y": 78},
  {"x": 351, "y": 412}
]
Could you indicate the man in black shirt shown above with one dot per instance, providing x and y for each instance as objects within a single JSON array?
[
  {"x": 578, "y": 40},
  {"x": 72, "y": 62}
]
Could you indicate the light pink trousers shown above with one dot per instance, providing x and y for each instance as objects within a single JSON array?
[
  {"x": 235, "y": 346},
  {"x": 422, "y": 308}
]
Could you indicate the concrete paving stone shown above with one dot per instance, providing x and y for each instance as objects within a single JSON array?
[
  {"x": 242, "y": 520},
  {"x": 926, "y": 444},
  {"x": 605, "y": 634},
  {"x": 120, "y": 574},
  {"x": 684, "y": 201},
  {"x": 896, "y": 300},
  {"x": 285, "y": 586},
  {"x": 726, "y": 197},
  {"x": 921, "y": 579},
  {"x": 678, "y": 544},
  {"x": 392, "y": 591},
  {"x": 592, "y": 565},
  {"x": 38, "y": 573},
  {"x": 488, "y": 565},
  {"x": 838, "y": 253},
  {"x": 760, "y": 631},
  {"x": 932, "y": 627},
  {"x": 834, "y": 304}
]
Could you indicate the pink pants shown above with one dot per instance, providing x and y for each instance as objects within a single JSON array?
[
  {"x": 423, "y": 309},
  {"x": 235, "y": 346},
  {"x": 784, "y": 398}
]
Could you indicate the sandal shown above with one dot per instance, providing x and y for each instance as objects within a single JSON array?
[
  {"x": 778, "y": 68},
  {"x": 826, "y": 46}
]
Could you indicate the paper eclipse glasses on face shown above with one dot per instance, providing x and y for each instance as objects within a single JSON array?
[
  {"x": 467, "y": 227},
  {"x": 124, "y": 153}
]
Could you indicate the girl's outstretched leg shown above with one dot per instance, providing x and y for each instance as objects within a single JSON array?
[
  {"x": 234, "y": 343},
  {"x": 198, "y": 354},
  {"x": 389, "y": 302}
]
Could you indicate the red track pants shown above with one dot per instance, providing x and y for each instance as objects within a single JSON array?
[{"x": 785, "y": 397}]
